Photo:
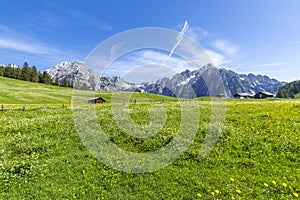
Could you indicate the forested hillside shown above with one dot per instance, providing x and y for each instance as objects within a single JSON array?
[
  {"x": 27, "y": 73},
  {"x": 289, "y": 90}
]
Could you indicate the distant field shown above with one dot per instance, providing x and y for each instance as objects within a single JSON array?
[
  {"x": 20, "y": 92},
  {"x": 42, "y": 156}
]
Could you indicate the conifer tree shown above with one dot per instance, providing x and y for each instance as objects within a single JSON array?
[
  {"x": 34, "y": 77},
  {"x": 56, "y": 82},
  {"x": 1, "y": 70},
  {"x": 26, "y": 72},
  {"x": 46, "y": 78}
]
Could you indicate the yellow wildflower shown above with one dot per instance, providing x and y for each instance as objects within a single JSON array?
[
  {"x": 217, "y": 191},
  {"x": 274, "y": 182},
  {"x": 238, "y": 191},
  {"x": 266, "y": 185},
  {"x": 231, "y": 179},
  {"x": 295, "y": 195},
  {"x": 199, "y": 195},
  {"x": 284, "y": 184}
]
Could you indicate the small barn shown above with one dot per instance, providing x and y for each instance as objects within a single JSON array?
[
  {"x": 263, "y": 95},
  {"x": 96, "y": 100},
  {"x": 240, "y": 95}
]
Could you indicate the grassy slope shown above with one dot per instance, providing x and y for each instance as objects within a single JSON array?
[
  {"x": 20, "y": 92},
  {"x": 257, "y": 157}
]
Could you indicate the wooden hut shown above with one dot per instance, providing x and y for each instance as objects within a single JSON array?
[
  {"x": 221, "y": 95},
  {"x": 240, "y": 95},
  {"x": 263, "y": 95},
  {"x": 96, "y": 100}
]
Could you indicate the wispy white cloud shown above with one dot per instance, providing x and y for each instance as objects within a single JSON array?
[
  {"x": 225, "y": 47},
  {"x": 5, "y": 29},
  {"x": 11, "y": 42},
  {"x": 147, "y": 65},
  {"x": 35, "y": 40},
  {"x": 263, "y": 65},
  {"x": 217, "y": 58},
  {"x": 146, "y": 73},
  {"x": 138, "y": 64},
  {"x": 220, "y": 51},
  {"x": 271, "y": 64},
  {"x": 197, "y": 33},
  {"x": 266, "y": 71}
]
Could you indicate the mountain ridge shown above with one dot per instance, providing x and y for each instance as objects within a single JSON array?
[{"x": 188, "y": 84}]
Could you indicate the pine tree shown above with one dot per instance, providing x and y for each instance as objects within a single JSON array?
[
  {"x": 46, "y": 78},
  {"x": 1, "y": 70},
  {"x": 34, "y": 77},
  {"x": 56, "y": 82},
  {"x": 7, "y": 72},
  {"x": 40, "y": 77},
  {"x": 18, "y": 73},
  {"x": 13, "y": 73},
  {"x": 26, "y": 72}
]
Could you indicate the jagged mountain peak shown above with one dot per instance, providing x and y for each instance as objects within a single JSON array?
[
  {"x": 186, "y": 73},
  {"x": 185, "y": 84},
  {"x": 188, "y": 82},
  {"x": 208, "y": 66},
  {"x": 84, "y": 78}
]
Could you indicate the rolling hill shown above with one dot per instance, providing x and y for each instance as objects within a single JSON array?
[
  {"x": 18, "y": 92},
  {"x": 291, "y": 90}
]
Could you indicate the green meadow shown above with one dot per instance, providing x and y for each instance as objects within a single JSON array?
[{"x": 43, "y": 157}]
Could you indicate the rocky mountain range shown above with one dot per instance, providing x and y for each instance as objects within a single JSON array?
[
  {"x": 84, "y": 78},
  {"x": 187, "y": 84}
]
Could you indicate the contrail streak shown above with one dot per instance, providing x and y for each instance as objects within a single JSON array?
[{"x": 179, "y": 39}]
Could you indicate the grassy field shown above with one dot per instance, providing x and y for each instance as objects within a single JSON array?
[
  {"x": 43, "y": 157},
  {"x": 20, "y": 92},
  {"x": 16, "y": 92}
]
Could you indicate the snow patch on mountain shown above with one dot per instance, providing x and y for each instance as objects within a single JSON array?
[
  {"x": 187, "y": 84},
  {"x": 84, "y": 78}
]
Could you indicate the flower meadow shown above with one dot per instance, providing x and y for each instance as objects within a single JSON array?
[{"x": 256, "y": 156}]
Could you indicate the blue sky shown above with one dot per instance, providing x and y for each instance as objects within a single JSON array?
[{"x": 260, "y": 37}]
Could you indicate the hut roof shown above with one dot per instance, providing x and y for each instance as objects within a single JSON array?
[
  {"x": 243, "y": 94},
  {"x": 267, "y": 93}
]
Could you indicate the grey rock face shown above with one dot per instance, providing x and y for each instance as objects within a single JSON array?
[
  {"x": 84, "y": 78},
  {"x": 207, "y": 81}
]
